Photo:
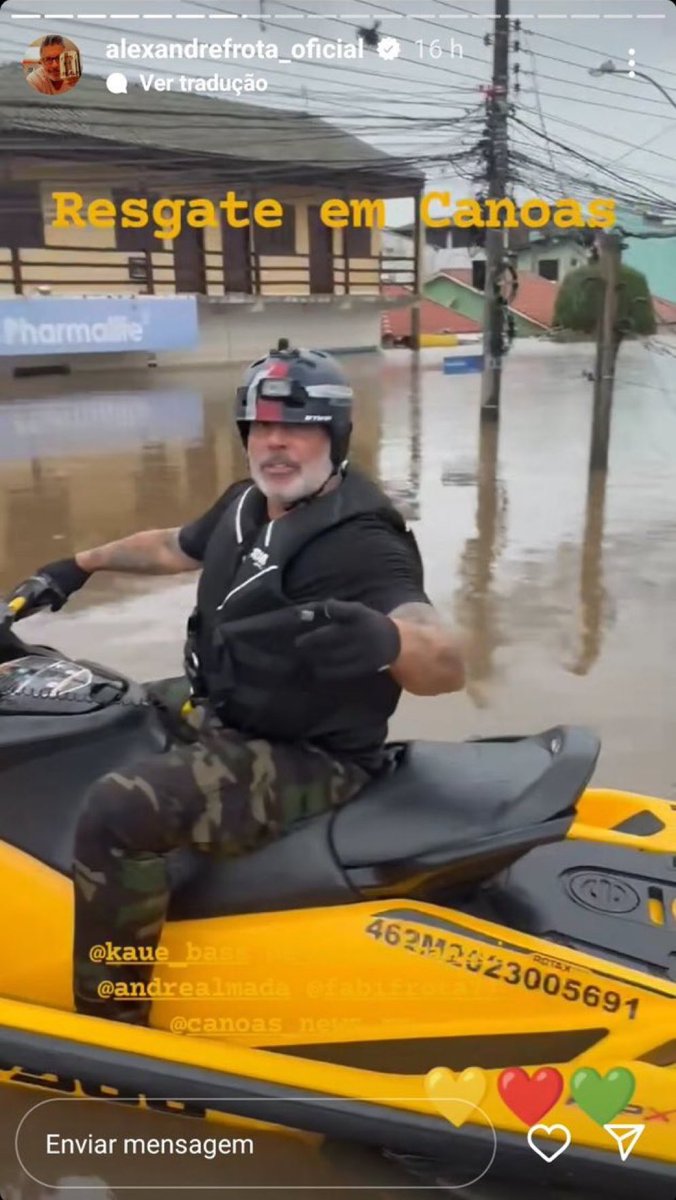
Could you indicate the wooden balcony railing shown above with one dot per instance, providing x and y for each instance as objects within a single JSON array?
[{"x": 76, "y": 271}]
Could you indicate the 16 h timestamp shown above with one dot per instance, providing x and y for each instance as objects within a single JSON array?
[{"x": 439, "y": 48}]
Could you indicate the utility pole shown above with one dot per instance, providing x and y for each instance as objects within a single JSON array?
[
  {"x": 610, "y": 258},
  {"x": 592, "y": 590},
  {"x": 497, "y": 186},
  {"x": 418, "y": 272}
]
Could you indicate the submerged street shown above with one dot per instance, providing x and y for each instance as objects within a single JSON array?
[{"x": 564, "y": 587}]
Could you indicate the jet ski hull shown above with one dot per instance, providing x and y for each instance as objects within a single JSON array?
[
  {"x": 328, "y": 1022},
  {"x": 62, "y": 1054},
  {"x": 325, "y": 1003}
]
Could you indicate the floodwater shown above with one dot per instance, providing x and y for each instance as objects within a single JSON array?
[{"x": 564, "y": 586}]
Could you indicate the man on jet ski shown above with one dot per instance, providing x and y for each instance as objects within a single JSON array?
[{"x": 311, "y": 618}]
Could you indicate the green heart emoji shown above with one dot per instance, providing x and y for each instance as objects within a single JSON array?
[{"x": 602, "y": 1098}]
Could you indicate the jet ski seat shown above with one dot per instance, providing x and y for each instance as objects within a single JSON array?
[{"x": 442, "y": 815}]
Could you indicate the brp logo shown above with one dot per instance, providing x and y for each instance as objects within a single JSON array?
[{"x": 603, "y": 893}]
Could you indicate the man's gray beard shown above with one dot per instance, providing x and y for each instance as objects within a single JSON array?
[{"x": 309, "y": 481}]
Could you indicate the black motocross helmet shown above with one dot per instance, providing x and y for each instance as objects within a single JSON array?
[{"x": 298, "y": 387}]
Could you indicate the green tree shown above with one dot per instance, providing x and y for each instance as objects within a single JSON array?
[{"x": 580, "y": 299}]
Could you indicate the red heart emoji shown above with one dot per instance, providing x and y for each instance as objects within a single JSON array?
[{"x": 530, "y": 1099}]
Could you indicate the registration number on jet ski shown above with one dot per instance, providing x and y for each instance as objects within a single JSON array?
[{"x": 493, "y": 966}]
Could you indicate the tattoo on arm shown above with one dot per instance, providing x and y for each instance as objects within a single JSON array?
[
  {"x": 172, "y": 546},
  {"x": 150, "y": 552}
]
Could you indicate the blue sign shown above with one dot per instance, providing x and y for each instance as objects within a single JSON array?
[
  {"x": 58, "y": 325},
  {"x": 99, "y": 422},
  {"x": 460, "y": 364}
]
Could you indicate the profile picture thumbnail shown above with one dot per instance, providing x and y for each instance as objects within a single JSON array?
[{"x": 53, "y": 65}]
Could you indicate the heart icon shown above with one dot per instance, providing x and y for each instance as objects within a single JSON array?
[
  {"x": 602, "y": 1098},
  {"x": 455, "y": 1095},
  {"x": 549, "y": 1156},
  {"x": 530, "y": 1098}
]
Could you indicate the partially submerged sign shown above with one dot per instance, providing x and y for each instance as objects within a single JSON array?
[{"x": 60, "y": 325}]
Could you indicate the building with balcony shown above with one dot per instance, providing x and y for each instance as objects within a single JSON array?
[{"x": 251, "y": 283}]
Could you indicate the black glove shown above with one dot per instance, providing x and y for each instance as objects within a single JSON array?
[
  {"x": 347, "y": 640},
  {"x": 50, "y": 587}
]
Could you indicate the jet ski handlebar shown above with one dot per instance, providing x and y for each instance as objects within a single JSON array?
[
  {"x": 10, "y": 609},
  {"x": 10, "y": 644}
]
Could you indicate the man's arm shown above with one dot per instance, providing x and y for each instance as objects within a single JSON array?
[
  {"x": 150, "y": 552},
  {"x": 430, "y": 661}
]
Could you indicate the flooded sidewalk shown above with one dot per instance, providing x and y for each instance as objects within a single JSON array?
[{"x": 563, "y": 584}]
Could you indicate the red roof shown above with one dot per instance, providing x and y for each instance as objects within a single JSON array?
[
  {"x": 434, "y": 318},
  {"x": 665, "y": 311},
  {"x": 534, "y": 300}
]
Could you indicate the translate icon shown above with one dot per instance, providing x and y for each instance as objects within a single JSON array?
[
  {"x": 116, "y": 83},
  {"x": 626, "y": 1137}
]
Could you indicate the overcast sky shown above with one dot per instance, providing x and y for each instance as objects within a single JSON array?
[{"x": 407, "y": 105}]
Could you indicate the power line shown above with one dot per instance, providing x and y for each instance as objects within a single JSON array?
[
  {"x": 549, "y": 37},
  {"x": 608, "y": 136},
  {"x": 256, "y": 124},
  {"x": 352, "y": 113},
  {"x": 663, "y": 129},
  {"x": 407, "y": 122},
  {"x": 588, "y": 50},
  {"x": 346, "y": 104},
  {"x": 596, "y": 89},
  {"x": 635, "y": 193},
  {"x": 534, "y": 174},
  {"x": 269, "y": 70},
  {"x": 461, "y": 33},
  {"x": 539, "y": 105},
  {"x": 645, "y": 236},
  {"x": 425, "y": 66},
  {"x": 584, "y": 158},
  {"x": 211, "y": 164},
  {"x": 617, "y": 178},
  {"x": 112, "y": 63},
  {"x": 591, "y": 103}
]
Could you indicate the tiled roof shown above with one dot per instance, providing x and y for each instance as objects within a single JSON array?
[
  {"x": 665, "y": 311},
  {"x": 434, "y": 318},
  {"x": 534, "y": 300},
  {"x": 187, "y": 124}
]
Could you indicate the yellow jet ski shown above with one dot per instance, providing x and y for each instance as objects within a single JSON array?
[{"x": 480, "y": 945}]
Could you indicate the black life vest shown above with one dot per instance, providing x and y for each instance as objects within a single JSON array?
[{"x": 241, "y": 632}]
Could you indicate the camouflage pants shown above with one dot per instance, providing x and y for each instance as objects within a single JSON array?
[{"x": 218, "y": 792}]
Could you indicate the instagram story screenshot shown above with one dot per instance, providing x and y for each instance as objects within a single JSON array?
[{"x": 337, "y": 594}]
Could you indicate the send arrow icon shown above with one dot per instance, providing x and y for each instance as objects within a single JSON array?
[{"x": 626, "y": 1137}]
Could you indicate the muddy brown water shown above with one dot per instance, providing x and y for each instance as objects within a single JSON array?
[{"x": 564, "y": 586}]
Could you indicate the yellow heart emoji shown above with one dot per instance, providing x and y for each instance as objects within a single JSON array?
[{"x": 455, "y": 1095}]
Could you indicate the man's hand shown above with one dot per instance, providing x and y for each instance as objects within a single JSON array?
[
  {"x": 430, "y": 661},
  {"x": 50, "y": 587},
  {"x": 350, "y": 642}
]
